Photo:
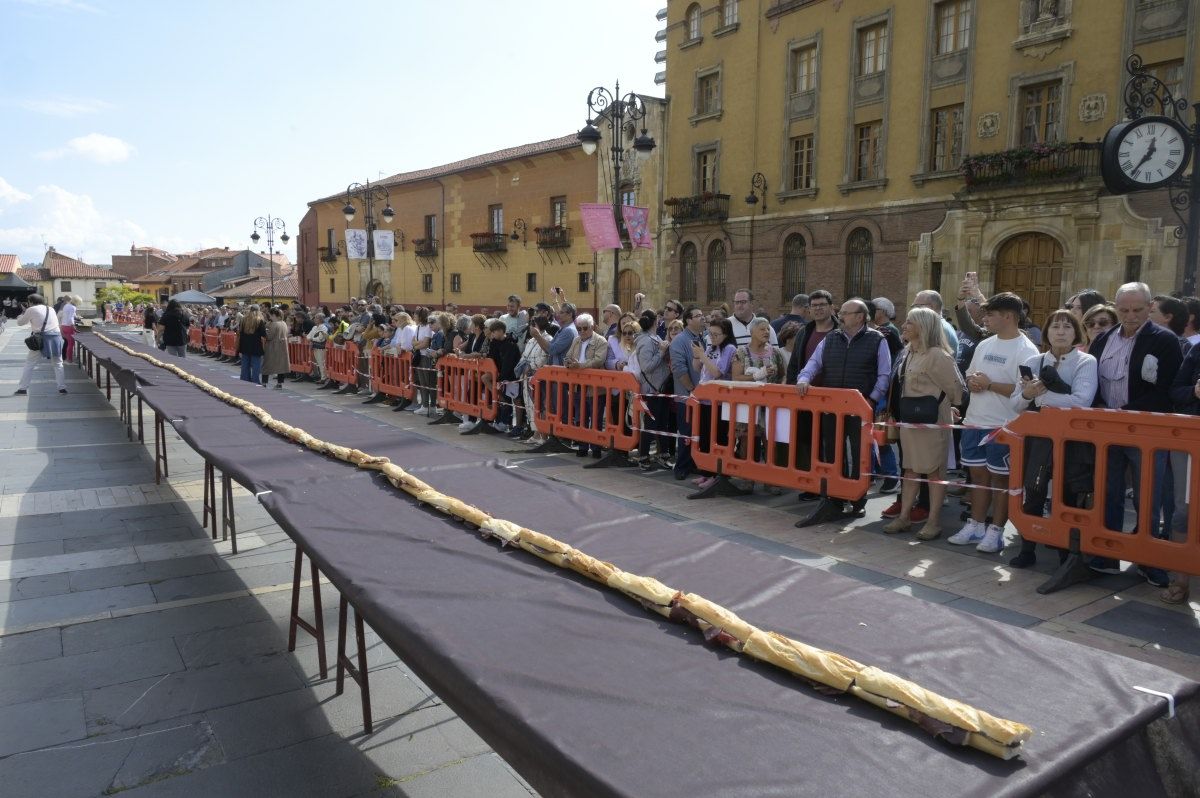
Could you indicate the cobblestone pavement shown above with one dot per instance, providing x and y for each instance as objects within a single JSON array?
[{"x": 137, "y": 654}]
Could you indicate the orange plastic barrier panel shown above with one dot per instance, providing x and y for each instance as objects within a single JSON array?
[
  {"x": 392, "y": 375},
  {"x": 1078, "y": 434},
  {"x": 195, "y": 339},
  {"x": 593, "y": 406},
  {"x": 229, "y": 342},
  {"x": 300, "y": 356},
  {"x": 212, "y": 340},
  {"x": 772, "y": 434},
  {"x": 461, "y": 390},
  {"x": 341, "y": 361}
]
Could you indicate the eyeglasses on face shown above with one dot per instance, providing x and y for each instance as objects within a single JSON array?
[
  {"x": 818, "y": 305},
  {"x": 1102, "y": 323}
]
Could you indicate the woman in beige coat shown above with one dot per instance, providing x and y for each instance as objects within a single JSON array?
[
  {"x": 928, "y": 370},
  {"x": 275, "y": 354}
]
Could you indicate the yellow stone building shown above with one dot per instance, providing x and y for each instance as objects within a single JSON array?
[
  {"x": 860, "y": 114},
  {"x": 472, "y": 232}
]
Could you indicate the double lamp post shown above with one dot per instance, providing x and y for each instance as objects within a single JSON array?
[
  {"x": 270, "y": 224},
  {"x": 367, "y": 195}
]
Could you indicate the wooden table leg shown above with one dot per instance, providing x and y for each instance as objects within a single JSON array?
[
  {"x": 160, "y": 449},
  {"x": 228, "y": 524},
  {"x": 210, "y": 497},
  {"x": 345, "y": 666},
  {"x": 317, "y": 631},
  {"x": 141, "y": 437}
]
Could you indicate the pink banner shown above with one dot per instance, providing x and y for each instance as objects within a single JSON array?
[
  {"x": 599, "y": 226},
  {"x": 636, "y": 225}
]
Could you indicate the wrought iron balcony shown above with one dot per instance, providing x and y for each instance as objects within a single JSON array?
[
  {"x": 1037, "y": 164},
  {"x": 555, "y": 237},
  {"x": 489, "y": 242},
  {"x": 328, "y": 254},
  {"x": 707, "y": 207},
  {"x": 425, "y": 247}
]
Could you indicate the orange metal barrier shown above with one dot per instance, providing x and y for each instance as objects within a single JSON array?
[
  {"x": 341, "y": 361},
  {"x": 229, "y": 343},
  {"x": 461, "y": 390},
  {"x": 212, "y": 340},
  {"x": 1087, "y": 428},
  {"x": 736, "y": 414},
  {"x": 392, "y": 375},
  {"x": 195, "y": 339},
  {"x": 300, "y": 356},
  {"x": 588, "y": 405}
]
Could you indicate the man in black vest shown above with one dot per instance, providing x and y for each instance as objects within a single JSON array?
[{"x": 852, "y": 356}]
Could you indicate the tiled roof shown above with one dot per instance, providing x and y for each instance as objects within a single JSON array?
[
  {"x": 34, "y": 275},
  {"x": 60, "y": 266},
  {"x": 153, "y": 251},
  {"x": 476, "y": 162},
  {"x": 261, "y": 287},
  {"x": 163, "y": 273},
  {"x": 9, "y": 263}
]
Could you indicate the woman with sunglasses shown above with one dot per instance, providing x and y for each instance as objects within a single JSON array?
[{"x": 1096, "y": 320}]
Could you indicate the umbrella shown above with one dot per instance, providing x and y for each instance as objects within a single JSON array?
[{"x": 194, "y": 298}]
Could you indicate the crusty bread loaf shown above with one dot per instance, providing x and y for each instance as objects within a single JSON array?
[
  {"x": 814, "y": 664},
  {"x": 716, "y": 615},
  {"x": 589, "y": 566},
  {"x": 947, "y": 710},
  {"x": 652, "y": 593}
]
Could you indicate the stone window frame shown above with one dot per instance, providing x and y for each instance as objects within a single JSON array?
[
  {"x": 789, "y": 133},
  {"x": 932, "y": 140},
  {"x": 924, "y": 150},
  {"x": 456, "y": 282},
  {"x": 1064, "y": 73},
  {"x": 1131, "y": 42},
  {"x": 794, "y": 46},
  {"x": 724, "y": 28},
  {"x": 1032, "y": 32},
  {"x": 688, "y": 29},
  {"x": 850, "y": 143},
  {"x": 936, "y": 43},
  {"x": 426, "y": 283},
  {"x": 705, "y": 72},
  {"x": 713, "y": 146}
]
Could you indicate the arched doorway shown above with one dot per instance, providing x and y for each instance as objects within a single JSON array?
[
  {"x": 375, "y": 289},
  {"x": 1030, "y": 265},
  {"x": 628, "y": 284}
]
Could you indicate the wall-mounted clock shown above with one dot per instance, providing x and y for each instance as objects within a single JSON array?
[{"x": 1144, "y": 153}]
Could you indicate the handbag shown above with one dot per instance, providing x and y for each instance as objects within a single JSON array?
[
  {"x": 34, "y": 341},
  {"x": 916, "y": 409}
]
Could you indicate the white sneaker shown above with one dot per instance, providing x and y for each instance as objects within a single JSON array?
[
  {"x": 421, "y": 411},
  {"x": 500, "y": 427},
  {"x": 972, "y": 532},
  {"x": 993, "y": 540},
  {"x": 466, "y": 425}
]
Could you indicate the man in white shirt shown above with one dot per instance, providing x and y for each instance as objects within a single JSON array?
[
  {"x": 993, "y": 377},
  {"x": 515, "y": 320},
  {"x": 743, "y": 314},
  {"x": 42, "y": 321}
]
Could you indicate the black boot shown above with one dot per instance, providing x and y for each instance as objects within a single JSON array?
[
  {"x": 1026, "y": 557},
  {"x": 376, "y": 399}
]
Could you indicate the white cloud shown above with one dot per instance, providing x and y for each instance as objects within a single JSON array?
[
  {"x": 94, "y": 147},
  {"x": 66, "y": 106},
  {"x": 69, "y": 222}
]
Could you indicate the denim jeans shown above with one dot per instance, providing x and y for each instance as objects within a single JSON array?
[
  {"x": 252, "y": 367},
  {"x": 1119, "y": 458},
  {"x": 178, "y": 351},
  {"x": 885, "y": 460}
]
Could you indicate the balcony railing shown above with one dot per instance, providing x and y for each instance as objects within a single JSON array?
[
  {"x": 700, "y": 208},
  {"x": 489, "y": 242},
  {"x": 1040, "y": 163},
  {"x": 556, "y": 237},
  {"x": 425, "y": 247},
  {"x": 328, "y": 254}
]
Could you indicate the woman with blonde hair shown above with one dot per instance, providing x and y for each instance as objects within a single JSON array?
[
  {"x": 928, "y": 371},
  {"x": 251, "y": 343}
]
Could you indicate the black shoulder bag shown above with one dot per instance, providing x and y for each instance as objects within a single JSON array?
[
  {"x": 916, "y": 409},
  {"x": 34, "y": 341}
]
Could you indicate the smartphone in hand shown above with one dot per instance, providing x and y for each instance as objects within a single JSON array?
[{"x": 1026, "y": 372}]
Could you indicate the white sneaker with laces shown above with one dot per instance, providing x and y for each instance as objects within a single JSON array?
[
  {"x": 421, "y": 411},
  {"x": 993, "y": 540},
  {"x": 972, "y": 532},
  {"x": 500, "y": 426},
  {"x": 466, "y": 425}
]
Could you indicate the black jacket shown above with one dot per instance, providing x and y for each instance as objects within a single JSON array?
[
  {"x": 1153, "y": 397},
  {"x": 851, "y": 362},
  {"x": 798, "y": 360},
  {"x": 505, "y": 354},
  {"x": 1183, "y": 389}
]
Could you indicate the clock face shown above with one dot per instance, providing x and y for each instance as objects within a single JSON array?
[{"x": 1151, "y": 151}]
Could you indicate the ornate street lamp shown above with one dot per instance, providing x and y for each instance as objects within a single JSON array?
[
  {"x": 618, "y": 108},
  {"x": 758, "y": 185},
  {"x": 367, "y": 195},
  {"x": 270, "y": 224}
]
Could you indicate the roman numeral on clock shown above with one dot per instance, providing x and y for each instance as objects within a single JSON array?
[
  {"x": 1171, "y": 164},
  {"x": 1127, "y": 166},
  {"x": 1174, "y": 152}
]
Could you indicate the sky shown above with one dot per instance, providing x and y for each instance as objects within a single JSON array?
[{"x": 177, "y": 124}]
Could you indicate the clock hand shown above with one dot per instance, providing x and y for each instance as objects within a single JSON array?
[{"x": 1149, "y": 154}]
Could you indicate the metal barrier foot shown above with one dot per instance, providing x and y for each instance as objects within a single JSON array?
[
  {"x": 445, "y": 418},
  {"x": 613, "y": 459},
  {"x": 327, "y": 385},
  {"x": 481, "y": 427},
  {"x": 347, "y": 389},
  {"x": 721, "y": 486},
  {"x": 828, "y": 510},
  {"x": 1071, "y": 571},
  {"x": 551, "y": 445}
]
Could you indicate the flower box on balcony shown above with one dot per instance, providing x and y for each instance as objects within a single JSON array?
[
  {"x": 554, "y": 237},
  {"x": 327, "y": 254},
  {"x": 425, "y": 247},
  {"x": 1036, "y": 164},
  {"x": 706, "y": 207},
  {"x": 489, "y": 242}
]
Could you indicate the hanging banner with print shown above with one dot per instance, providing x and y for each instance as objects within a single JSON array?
[
  {"x": 356, "y": 244},
  {"x": 599, "y": 226},
  {"x": 385, "y": 244},
  {"x": 637, "y": 226}
]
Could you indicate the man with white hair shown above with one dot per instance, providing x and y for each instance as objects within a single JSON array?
[
  {"x": 1137, "y": 362},
  {"x": 851, "y": 356},
  {"x": 588, "y": 351}
]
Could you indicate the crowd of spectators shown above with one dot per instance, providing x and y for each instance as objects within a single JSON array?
[{"x": 962, "y": 372}]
